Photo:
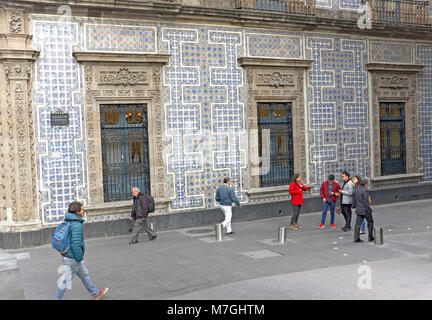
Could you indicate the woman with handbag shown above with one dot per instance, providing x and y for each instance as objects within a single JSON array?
[{"x": 296, "y": 189}]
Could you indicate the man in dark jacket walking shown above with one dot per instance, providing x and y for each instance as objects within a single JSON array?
[
  {"x": 363, "y": 211},
  {"x": 226, "y": 197},
  {"x": 73, "y": 259},
  {"x": 140, "y": 214}
]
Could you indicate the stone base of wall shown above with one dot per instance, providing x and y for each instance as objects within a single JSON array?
[{"x": 14, "y": 240}]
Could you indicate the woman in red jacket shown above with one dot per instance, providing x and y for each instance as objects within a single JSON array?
[{"x": 296, "y": 189}]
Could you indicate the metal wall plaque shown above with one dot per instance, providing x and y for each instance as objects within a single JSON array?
[{"x": 59, "y": 119}]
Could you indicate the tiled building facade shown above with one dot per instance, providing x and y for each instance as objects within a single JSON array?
[{"x": 204, "y": 105}]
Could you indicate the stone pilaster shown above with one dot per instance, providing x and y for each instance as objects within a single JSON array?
[{"x": 18, "y": 194}]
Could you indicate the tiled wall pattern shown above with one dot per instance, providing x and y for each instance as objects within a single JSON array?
[
  {"x": 61, "y": 151},
  {"x": 120, "y": 38},
  {"x": 204, "y": 115},
  {"x": 338, "y": 107},
  {"x": 204, "y": 97},
  {"x": 274, "y": 46},
  {"x": 424, "y": 54},
  {"x": 397, "y": 52}
]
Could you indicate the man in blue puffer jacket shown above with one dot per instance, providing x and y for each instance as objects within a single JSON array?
[{"x": 73, "y": 259}]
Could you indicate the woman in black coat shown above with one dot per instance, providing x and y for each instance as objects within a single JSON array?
[{"x": 363, "y": 211}]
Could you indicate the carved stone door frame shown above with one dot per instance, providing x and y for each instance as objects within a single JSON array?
[
  {"x": 395, "y": 83},
  {"x": 275, "y": 80},
  {"x": 112, "y": 78}
]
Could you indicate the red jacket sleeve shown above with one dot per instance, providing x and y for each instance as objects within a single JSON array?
[
  {"x": 322, "y": 191},
  {"x": 293, "y": 189},
  {"x": 303, "y": 187}
]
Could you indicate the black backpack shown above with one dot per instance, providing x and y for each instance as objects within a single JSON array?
[{"x": 150, "y": 203}]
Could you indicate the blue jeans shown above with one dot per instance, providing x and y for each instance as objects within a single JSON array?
[
  {"x": 332, "y": 206},
  {"x": 72, "y": 268},
  {"x": 363, "y": 226}
]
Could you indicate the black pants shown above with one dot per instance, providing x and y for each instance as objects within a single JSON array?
[
  {"x": 347, "y": 213},
  {"x": 358, "y": 223},
  {"x": 296, "y": 213}
]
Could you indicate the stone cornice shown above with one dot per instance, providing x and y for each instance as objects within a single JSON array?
[
  {"x": 109, "y": 57},
  {"x": 16, "y": 54},
  {"x": 272, "y": 62},
  {"x": 340, "y": 21},
  {"x": 394, "y": 67},
  {"x": 396, "y": 179}
]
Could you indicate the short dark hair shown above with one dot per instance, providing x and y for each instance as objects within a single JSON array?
[
  {"x": 75, "y": 207},
  {"x": 295, "y": 176},
  {"x": 331, "y": 177},
  {"x": 346, "y": 173},
  {"x": 358, "y": 178},
  {"x": 226, "y": 180}
]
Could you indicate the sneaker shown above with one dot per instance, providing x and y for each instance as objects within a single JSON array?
[
  {"x": 133, "y": 241},
  {"x": 362, "y": 232},
  {"x": 152, "y": 238},
  {"x": 292, "y": 227},
  {"x": 101, "y": 293},
  {"x": 372, "y": 239},
  {"x": 358, "y": 240},
  {"x": 232, "y": 232},
  {"x": 333, "y": 226},
  {"x": 321, "y": 226}
]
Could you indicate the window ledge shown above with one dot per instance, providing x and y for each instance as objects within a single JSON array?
[
  {"x": 278, "y": 191},
  {"x": 121, "y": 207},
  {"x": 397, "y": 179}
]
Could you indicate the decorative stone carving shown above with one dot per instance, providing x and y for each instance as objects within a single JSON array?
[
  {"x": 124, "y": 92},
  {"x": 131, "y": 78},
  {"x": 276, "y": 73},
  {"x": 22, "y": 150},
  {"x": 88, "y": 76},
  {"x": 109, "y": 93},
  {"x": 397, "y": 83},
  {"x": 123, "y": 77},
  {"x": 15, "y": 23},
  {"x": 393, "y": 82},
  {"x": 17, "y": 72},
  {"x": 276, "y": 79}
]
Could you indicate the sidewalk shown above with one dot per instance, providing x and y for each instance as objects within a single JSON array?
[
  {"x": 314, "y": 264},
  {"x": 10, "y": 279}
]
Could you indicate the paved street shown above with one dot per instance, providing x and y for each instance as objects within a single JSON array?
[{"x": 313, "y": 264}]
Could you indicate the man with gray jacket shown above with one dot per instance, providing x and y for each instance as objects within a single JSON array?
[
  {"x": 225, "y": 196},
  {"x": 346, "y": 199},
  {"x": 363, "y": 211},
  {"x": 139, "y": 214}
]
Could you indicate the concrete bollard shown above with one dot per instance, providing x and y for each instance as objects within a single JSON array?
[
  {"x": 379, "y": 236},
  {"x": 152, "y": 226},
  {"x": 282, "y": 235},
  {"x": 219, "y": 232}
]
